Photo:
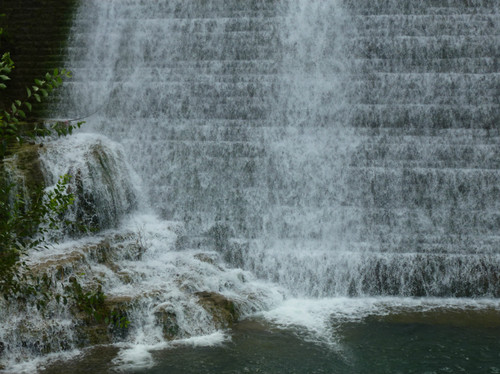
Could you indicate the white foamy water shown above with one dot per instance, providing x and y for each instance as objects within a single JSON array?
[
  {"x": 318, "y": 320},
  {"x": 163, "y": 282},
  {"x": 312, "y": 161},
  {"x": 308, "y": 132}
]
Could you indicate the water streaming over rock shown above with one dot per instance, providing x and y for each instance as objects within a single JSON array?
[{"x": 337, "y": 148}]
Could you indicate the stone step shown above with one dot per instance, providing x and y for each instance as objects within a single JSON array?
[
  {"x": 421, "y": 65},
  {"x": 392, "y": 228},
  {"x": 176, "y": 71},
  {"x": 182, "y": 26},
  {"x": 458, "y": 81},
  {"x": 424, "y": 47},
  {"x": 218, "y": 29},
  {"x": 184, "y": 13},
  {"x": 422, "y": 164},
  {"x": 373, "y": 224},
  {"x": 346, "y": 273},
  {"x": 454, "y": 136},
  {"x": 442, "y": 96},
  {"x": 418, "y": 226},
  {"x": 427, "y": 116},
  {"x": 215, "y": 39},
  {"x": 437, "y": 138},
  {"x": 201, "y": 51},
  {"x": 225, "y": 88},
  {"x": 423, "y": 154},
  {"x": 414, "y": 88},
  {"x": 390, "y": 25},
  {"x": 193, "y": 7},
  {"x": 222, "y": 132},
  {"x": 221, "y": 112},
  {"x": 209, "y": 149},
  {"x": 192, "y": 104},
  {"x": 422, "y": 187},
  {"x": 430, "y": 7},
  {"x": 449, "y": 244}
]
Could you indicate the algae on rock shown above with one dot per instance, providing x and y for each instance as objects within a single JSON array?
[
  {"x": 222, "y": 309},
  {"x": 21, "y": 174},
  {"x": 100, "y": 179}
]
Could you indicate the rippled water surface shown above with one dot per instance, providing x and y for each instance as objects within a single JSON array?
[
  {"x": 441, "y": 341},
  {"x": 306, "y": 159}
]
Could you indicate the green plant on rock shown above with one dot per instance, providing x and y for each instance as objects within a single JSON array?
[
  {"x": 13, "y": 126},
  {"x": 26, "y": 217},
  {"x": 27, "y": 220},
  {"x": 23, "y": 226},
  {"x": 92, "y": 303}
]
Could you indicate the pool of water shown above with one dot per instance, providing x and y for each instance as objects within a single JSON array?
[{"x": 437, "y": 341}]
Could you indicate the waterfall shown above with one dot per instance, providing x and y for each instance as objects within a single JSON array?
[
  {"x": 337, "y": 147},
  {"x": 301, "y": 150}
]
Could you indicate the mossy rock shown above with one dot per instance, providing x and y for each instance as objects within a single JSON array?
[
  {"x": 223, "y": 310},
  {"x": 167, "y": 319},
  {"x": 21, "y": 175},
  {"x": 99, "y": 181},
  {"x": 23, "y": 168},
  {"x": 61, "y": 266},
  {"x": 93, "y": 334},
  {"x": 107, "y": 328},
  {"x": 208, "y": 258},
  {"x": 105, "y": 252}
]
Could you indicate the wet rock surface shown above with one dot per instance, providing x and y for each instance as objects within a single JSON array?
[{"x": 223, "y": 310}]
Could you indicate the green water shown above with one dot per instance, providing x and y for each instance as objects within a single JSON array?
[{"x": 443, "y": 341}]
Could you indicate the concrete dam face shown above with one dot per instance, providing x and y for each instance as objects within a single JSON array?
[
  {"x": 353, "y": 144},
  {"x": 299, "y": 162}
]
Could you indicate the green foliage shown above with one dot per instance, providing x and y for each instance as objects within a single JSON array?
[
  {"x": 92, "y": 303},
  {"x": 25, "y": 221},
  {"x": 18, "y": 111},
  {"x": 6, "y": 67},
  {"x": 24, "y": 226},
  {"x": 13, "y": 125}
]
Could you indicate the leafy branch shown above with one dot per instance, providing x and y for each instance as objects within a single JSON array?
[
  {"x": 24, "y": 226},
  {"x": 26, "y": 220},
  {"x": 92, "y": 303},
  {"x": 18, "y": 111}
]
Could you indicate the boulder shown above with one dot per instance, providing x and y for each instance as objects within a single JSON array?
[
  {"x": 168, "y": 321},
  {"x": 222, "y": 309},
  {"x": 100, "y": 179}
]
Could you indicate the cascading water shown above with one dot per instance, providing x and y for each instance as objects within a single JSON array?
[
  {"x": 237, "y": 120},
  {"x": 399, "y": 195},
  {"x": 354, "y": 139},
  {"x": 336, "y": 148}
]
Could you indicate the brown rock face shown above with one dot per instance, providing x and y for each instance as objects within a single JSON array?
[
  {"x": 168, "y": 321},
  {"x": 222, "y": 309}
]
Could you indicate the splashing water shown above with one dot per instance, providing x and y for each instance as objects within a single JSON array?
[{"x": 341, "y": 155}]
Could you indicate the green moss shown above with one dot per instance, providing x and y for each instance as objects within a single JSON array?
[
  {"x": 21, "y": 174},
  {"x": 223, "y": 310},
  {"x": 100, "y": 318},
  {"x": 168, "y": 321},
  {"x": 91, "y": 333},
  {"x": 28, "y": 164}
]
